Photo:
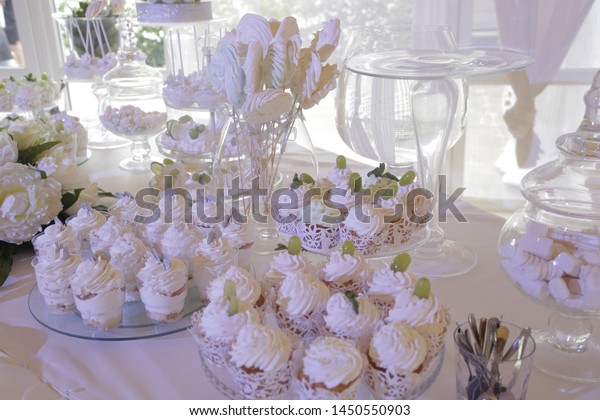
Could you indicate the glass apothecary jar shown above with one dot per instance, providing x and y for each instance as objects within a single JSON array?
[
  {"x": 550, "y": 249},
  {"x": 132, "y": 105}
]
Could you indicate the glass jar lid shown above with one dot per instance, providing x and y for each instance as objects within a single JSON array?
[{"x": 570, "y": 185}]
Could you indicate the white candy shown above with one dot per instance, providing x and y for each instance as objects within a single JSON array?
[
  {"x": 537, "y": 228},
  {"x": 537, "y": 288},
  {"x": 543, "y": 270},
  {"x": 592, "y": 257},
  {"x": 540, "y": 246},
  {"x": 507, "y": 250},
  {"x": 568, "y": 263},
  {"x": 558, "y": 289},
  {"x": 591, "y": 288},
  {"x": 523, "y": 259}
]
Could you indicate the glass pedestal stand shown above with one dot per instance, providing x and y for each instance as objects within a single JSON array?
[{"x": 433, "y": 104}]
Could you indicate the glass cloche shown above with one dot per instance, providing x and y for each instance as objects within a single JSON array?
[
  {"x": 133, "y": 105},
  {"x": 550, "y": 249}
]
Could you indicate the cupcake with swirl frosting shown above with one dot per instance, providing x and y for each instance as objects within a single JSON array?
[
  {"x": 300, "y": 305},
  {"x": 216, "y": 326},
  {"x": 396, "y": 359},
  {"x": 103, "y": 238},
  {"x": 346, "y": 270},
  {"x": 387, "y": 282},
  {"x": 127, "y": 254},
  {"x": 290, "y": 261},
  {"x": 125, "y": 208},
  {"x": 82, "y": 223},
  {"x": 365, "y": 227},
  {"x": 351, "y": 317},
  {"x": 261, "y": 361},
  {"x": 55, "y": 235},
  {"x": 163, "y": 288},
  {"x": 318, "y": 225},
  {"x": 53, "y": 273},
  {"x": 248, "y": 288},
  {"x": 331, "y": 368},
  {"x": 99, "y": 292}
]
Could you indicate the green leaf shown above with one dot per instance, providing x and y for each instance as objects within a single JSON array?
[
  {"x": 390, "y": 176},
  {"x": 69, "y": 198},
  {"x": 28, "y": 156},
  {"x": 281, "y": 247},
  {"x": 296, "y": 183},
  {"x": 351, "y": 296},
  {"x": 101, "y": 207},
  {"x": 6, "y": 260},
  {"x": 378, "y": 172},
  {"x": 106, "y": 194}
]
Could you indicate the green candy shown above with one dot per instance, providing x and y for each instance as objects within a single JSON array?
[
  {"x": 168, "y": 161},
  {"x": 340, "y": 162},
  {"x": 407, "y": 178},
  {"x": 229, "y": 289},
  {"x": 156, "y": 167},
  {"x": 422, "y": 288},
  {"x": 233, "y": 306},
  {"x": 306, "y": 178},
  {"x": 184, "y": 118},
  {"x": 204, "y": 179},
  {"x": 348, "y": 247},
  {"x": 400, "y": 263},
  {"x": 194, "y": 133},
  {"x": 351, "y": 296},
  {"x": 355, "y": 182},
  {"x": 294, "y": 245}
]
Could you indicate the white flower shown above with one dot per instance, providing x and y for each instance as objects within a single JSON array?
[
  {"x": 8, "y": 148},
  {"x": 88, "y": 195},
  {"x": 59, "y": 163},
  {"x": 95, "y": 8},
  {"x": 25, "y": 133},
  {"x": 26, "y": 202},
  {"x": 326, "y": 40}
]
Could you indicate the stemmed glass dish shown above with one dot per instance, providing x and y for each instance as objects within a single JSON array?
[{"x": 428, "y": 59}]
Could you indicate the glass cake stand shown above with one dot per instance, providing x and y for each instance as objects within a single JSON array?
[
  {"x": 438, "y": 69},
  {"x": 136, "y": 324}
]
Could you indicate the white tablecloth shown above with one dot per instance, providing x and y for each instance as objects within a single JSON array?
[{"x": 169, "y": 367}]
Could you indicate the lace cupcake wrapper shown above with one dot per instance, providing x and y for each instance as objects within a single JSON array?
[
  {"x": 259, "y": 385},
  {"x": 367, "y": 245},
  {"x": 318, "y": 238}
]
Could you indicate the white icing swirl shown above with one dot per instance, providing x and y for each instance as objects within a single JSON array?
[
  {"x": 284, "y": 264},
  {"x": 415, "y": 311},
  {"x": 332, "y": 361},
  {"x": 127, "y": 251},
  {"x": 216, "y": 323},
  {"x": 387, "y": 282},
  {"x": 102, "y": 238},
  {"x": 339, "y": 177},
  {"x": 217, "y": 254},
  {"x": 261, "y": 347},
  {"x": 302, "y": 294},
  {"x": 126, "y": 209},
  {"x": 56, "y": 234},
  {"x": 179, "y": 240},
  {"x": 398, "y": 348},
  {"x": 86, "y": 220},
  {"x": 341, "y": 318},
  {"x": 165, "y": 278},
  {"x": 54, "y": 271},
  {"x": 345, "y": 268},
  {"x": 365, "y": 220},
  {"x": 96, "y": 276},
  {"x": 247, "y": 288}
]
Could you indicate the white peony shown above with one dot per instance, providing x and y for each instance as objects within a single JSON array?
[
  {"x": 88, "y": 195},
  {"x": 8, "y": 149},
  {"x": 59, "y": 163},
  {"x": 26, "y": 202}
]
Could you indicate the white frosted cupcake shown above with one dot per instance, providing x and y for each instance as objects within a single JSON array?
[
  {"x": 261, "y": 361},
  {"x": 212, "y": 257},
  {"x": 321, "y": 231},
  {"x": 127, "y": 254},
  {"x": 180, "y": 241},
  {"x": 241, "y": 237},
  {"x": 125, "y": 208},
  {"x": 102, "y": 238},
  {"x": 86, "y": 220},
  {"x": 288, "y": 262},
  {"x": 394, "y": 208},
  {"x": 247, "y": 287},
  {"x": 55, "y": 235},
  {"x": 300, "y": 306},
  {"x": 217, "y": 325},
  {"x": 421, "y": 310},
  {"x": 331, "y": 369},
  {"x": 53, "y": 273},
  {"x": 351, "y": 317},
  {"x": 388, "y": 281},
  {"x": 163, "y": 288},
  {"x": 396, "y": 361},
  {"x": 346, "y": 270},
  {"x": 364, "y": 226},
  {"x": 99, "y": 291}
]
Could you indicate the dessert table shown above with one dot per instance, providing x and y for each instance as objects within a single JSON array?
[{"x": 169, "y": 367}]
